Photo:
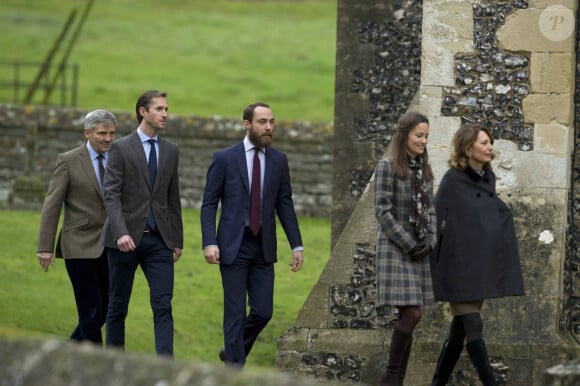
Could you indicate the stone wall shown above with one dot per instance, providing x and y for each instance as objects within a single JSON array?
[
  {"x": 570, "y": 316},
  {"x": 510, "y": 65},
  {"x": 32, "y": 362},
  {"x": 27, "y": 362},
  {"x": 378, "y": 69},
  {"x": 31, "y": 137}
]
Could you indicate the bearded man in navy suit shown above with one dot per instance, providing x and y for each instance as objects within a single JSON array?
[{"x": 245, "y": 245}]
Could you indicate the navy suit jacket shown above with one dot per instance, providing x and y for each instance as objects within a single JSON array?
[{"x": 227, "y": 181}]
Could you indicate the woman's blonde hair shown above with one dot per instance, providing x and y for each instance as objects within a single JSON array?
[{"x": 463, "y": 141}]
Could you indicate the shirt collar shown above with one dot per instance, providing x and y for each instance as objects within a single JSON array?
[
  {"x": 250, "y": 146},
  {"x": 92, "y": 152},
  {"x": 145, "y": 138}
]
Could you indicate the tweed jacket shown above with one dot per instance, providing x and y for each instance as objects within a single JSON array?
[
  {"x": 73, "y": 184},
  {"x": 129, "y": 194},
  {"x": 477, "y": 254},
  {"x": 400, "y": 281}
]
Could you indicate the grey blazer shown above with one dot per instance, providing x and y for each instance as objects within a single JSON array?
[{"x": 129, "y": 194}]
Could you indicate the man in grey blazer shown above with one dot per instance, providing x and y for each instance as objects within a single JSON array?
[
  {"x": 144, "y": 226},
  {"x": 246, "y": 250},
  {"x": 76, "y": 183}
]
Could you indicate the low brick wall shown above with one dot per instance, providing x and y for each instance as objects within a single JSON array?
[{"x": 31, "y": 137}]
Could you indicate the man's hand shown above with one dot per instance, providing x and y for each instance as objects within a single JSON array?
[
  {"x": 125, "y": 243},
  {"x": 45, "y": 259},
  {"x": 297, "y": 260},
  {"x": 212, "y": 254},
  {"x": 176, "y": 254}
]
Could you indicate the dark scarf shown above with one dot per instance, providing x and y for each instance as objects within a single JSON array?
[{"x": 420, "y": 198}]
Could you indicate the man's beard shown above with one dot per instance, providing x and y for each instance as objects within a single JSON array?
[{"x": 261, "y": 140}]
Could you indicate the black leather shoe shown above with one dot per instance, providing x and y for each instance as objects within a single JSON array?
[{"x": 222, "y": 354}]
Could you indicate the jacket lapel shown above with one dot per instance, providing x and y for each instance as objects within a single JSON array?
[
  {"x": 163, "y": 161},
  {"x": 268, "y": 170},
  {"x": 240, "y": 155},
  {"x": 139, "y": 154},
  {"x": 87, "y": 165}
]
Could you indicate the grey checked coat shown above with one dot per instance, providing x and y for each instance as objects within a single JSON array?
[{"x": 400, "y": 281}]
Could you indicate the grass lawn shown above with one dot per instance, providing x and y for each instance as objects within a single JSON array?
[
  {"x": 35, "y": 303},
  {"x": 212, "y": 57}
]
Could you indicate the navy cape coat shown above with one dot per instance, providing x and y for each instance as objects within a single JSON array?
[{"x": 476, "y": 256}]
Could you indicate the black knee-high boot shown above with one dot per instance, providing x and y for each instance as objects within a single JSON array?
[
  {"x": 450, "y": 353},
  {"x": 399, "y": 352},
  {"x": 478, "y": 355},
  {"x": 448, "y": 358}
]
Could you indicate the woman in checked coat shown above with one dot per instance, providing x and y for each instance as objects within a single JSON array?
[{"x": 404, "y": 209}]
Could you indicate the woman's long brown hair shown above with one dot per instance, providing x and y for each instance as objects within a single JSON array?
[{"x": 406, "y": 123}]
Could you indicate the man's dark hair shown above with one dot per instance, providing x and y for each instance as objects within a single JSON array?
[
  {"x": 145, "y": 100},
  {"x": 249, "y": 111}
]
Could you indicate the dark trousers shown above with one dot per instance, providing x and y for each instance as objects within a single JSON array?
[
  {"x": 250, "y": 275},
  {"x": 156, "y": 261},
  {"x": 90, "y": 282}
]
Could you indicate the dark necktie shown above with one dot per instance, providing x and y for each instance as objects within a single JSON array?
[
  {"x": 255, "y": 195},
  {"x": 152, "y": 162},
  {"x": 100, "y": 159},
  {"x": 152, "y": 174}
]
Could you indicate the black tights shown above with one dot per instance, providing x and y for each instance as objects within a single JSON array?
[
  {"x": 468, "y": 326},
  {"x": 409, "y": 317}
]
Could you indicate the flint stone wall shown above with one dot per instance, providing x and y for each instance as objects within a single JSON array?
[
  {"x": 378, "y": 71},
  {"x": 509, "y": 65},
  {"x": 31, "y": 137},
  {"x": 567, "y": 374}
]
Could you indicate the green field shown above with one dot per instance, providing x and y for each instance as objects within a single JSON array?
[
  {"x": 213, "y": 57},
  {"x": 38, "y": 303}
]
